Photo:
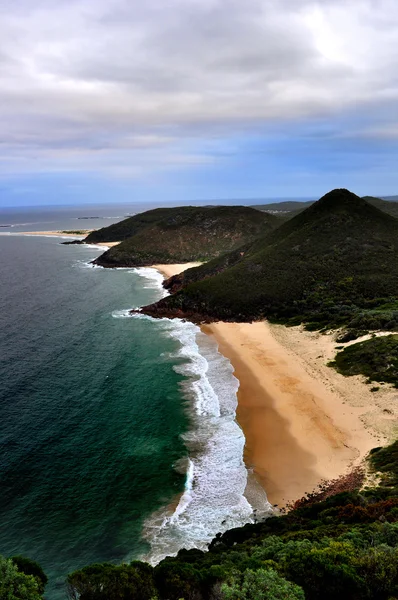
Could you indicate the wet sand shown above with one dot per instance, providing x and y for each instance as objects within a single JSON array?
[{"x": 304, "y": 423}]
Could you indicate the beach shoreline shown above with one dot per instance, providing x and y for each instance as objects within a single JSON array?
[
  {"x": 303, "y": 422},
  {"x": 62, "y": 234},
  {"x": 52, "y": 233},
  {"x": 174, "y": 269}
]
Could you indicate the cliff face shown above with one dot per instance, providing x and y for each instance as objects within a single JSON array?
[{"x": 189, "y": 234}]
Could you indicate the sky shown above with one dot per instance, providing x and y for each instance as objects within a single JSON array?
[{"x": 196, "y": 100}]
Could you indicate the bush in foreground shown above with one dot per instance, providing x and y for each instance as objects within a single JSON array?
[
  {"x": 264, "y": 584},
  {"x": 15, "y": 585}
]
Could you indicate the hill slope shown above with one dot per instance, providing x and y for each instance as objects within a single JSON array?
[
  {"x": 336, "y": 257},
  {"x": 289, "y": 209},
  {"x": 130, "y": 226},
  {"x": 186, "y": 234},
  {"x": 284, "y": 207}
]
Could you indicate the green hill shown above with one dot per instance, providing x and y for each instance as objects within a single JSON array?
[
  {"x": 284, "y": 207},
  {"x": 184, "y": 234},
  {"x": 332, "y": 263},
  {"x": 289, "y": 209},
  {"x": 130, "y": 226}
]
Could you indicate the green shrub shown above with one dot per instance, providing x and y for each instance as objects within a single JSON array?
[
  {"x": 15, "y": 585},
  {"x": 110, "y": 582},
  {"x": 31, "y": 567},
  {"x": 376, "y": 359},
  {"x": 263, "y": 584}
]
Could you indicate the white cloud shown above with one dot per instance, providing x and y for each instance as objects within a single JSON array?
[{"x": 85, "y": 75}]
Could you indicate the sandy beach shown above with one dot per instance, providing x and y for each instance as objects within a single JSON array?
[
  {"x": 303, "y": 422},
  {"x": 83, "y": 233},
  {"x": 170, "y": 270},
  {"x": 70, "y": 234},
  {"x": 106, "y": 244}
]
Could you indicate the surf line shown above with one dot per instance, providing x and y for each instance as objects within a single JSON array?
[{"x": 215, "y": 495}]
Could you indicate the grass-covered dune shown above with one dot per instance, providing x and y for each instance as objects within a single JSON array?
[
  {"x": 183, "y": 234},
  {"x": 376, "y": 359},
  {"x": 334, "y": 260}
]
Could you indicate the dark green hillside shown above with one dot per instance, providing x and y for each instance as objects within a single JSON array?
[
  {"x": 287, "y": 210},
  {"x": 344, "y": 547},
  {"x": 324, "y": 266},
  {"x": 190, "y": 234},
  {"x": 388, "y": 206},
  {"x": 131, "y": 226},
  {"x": 284, "y": 207},
  {"x": 207, "y": 269}
]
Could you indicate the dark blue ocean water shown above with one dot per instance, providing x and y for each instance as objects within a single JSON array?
[{"x": 106, "y": 419}]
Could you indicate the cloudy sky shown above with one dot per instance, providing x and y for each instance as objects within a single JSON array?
[{"x": 184, "y": 100}]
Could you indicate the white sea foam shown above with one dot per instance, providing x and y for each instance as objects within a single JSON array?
[
  {"x": 86, "y": 264},
  {"x": 186, "y": 498},
  {"x": 96, "y": 247},
  {"x": 216, "y": 477},
  {"x": 154, "y": 279},
  {"x": 121, "y": 314}
]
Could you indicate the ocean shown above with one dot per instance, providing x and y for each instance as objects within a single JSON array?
[{"x": 118, "y": 433}]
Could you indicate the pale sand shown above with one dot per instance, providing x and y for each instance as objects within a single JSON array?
[
  {"x": 54, "y": 233},
  {"x": 107, "y": 244},
  {"x": 63, "y": 234},
  {"x": 170, "y": 270},
  {"x": 303, "y": 422}
]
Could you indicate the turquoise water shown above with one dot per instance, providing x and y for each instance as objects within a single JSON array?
[
  {"x": 90, "y": 409},
  {"x": 107, "y": 419}
]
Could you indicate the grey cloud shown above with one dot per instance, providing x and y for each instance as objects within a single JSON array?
[{"x": 107, "y": 73}]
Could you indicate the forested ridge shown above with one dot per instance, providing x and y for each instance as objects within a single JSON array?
[{"x": 183, "y": 234}]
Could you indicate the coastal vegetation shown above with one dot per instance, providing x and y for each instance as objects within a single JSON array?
[
  {"x": 376, "y": 359},
  {"x": 333, "y": 265},
  {"x": 343, "y": 547},
  {"x": 21, "y": 579},
  {"x": 126, "y": 228},
  {"x": 182, "y": 234}
]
